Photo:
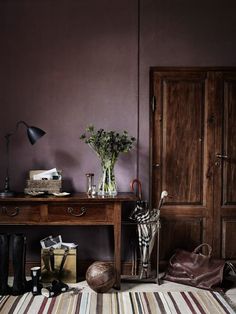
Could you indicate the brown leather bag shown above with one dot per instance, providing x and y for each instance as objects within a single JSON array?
[{"x": 195, "y": 268}]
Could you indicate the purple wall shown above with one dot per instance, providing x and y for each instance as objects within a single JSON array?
[{"x": 65, "y": 64}]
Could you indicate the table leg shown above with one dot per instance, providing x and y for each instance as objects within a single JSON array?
[{"x": 117, "y": 244}]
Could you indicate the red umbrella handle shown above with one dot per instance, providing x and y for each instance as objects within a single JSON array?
[{"x": 139, "y": 187}]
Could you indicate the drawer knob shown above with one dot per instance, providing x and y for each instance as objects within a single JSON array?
[
  {"x": 76, "y": 212},
  {"x": 11, "y": 212}
]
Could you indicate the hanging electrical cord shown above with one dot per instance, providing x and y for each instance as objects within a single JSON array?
[{"x": 138, "y": 86}]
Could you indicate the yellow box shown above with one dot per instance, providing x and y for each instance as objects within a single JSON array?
[{"x": 69, "y": 272}]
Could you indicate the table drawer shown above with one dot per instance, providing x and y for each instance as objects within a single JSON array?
[
  {"x": 15, "y": 214},
  {"x": 84, "y": 212}
]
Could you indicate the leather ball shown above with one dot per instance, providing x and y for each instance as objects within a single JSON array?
[{"x": 101, "y": 276}]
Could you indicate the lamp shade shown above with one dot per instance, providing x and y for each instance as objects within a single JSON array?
[{"x": 34, "y": 134}]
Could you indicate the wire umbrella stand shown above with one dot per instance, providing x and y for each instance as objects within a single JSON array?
[{"x": 148, "y": 229}]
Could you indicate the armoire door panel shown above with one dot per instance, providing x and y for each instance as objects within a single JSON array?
[
  {"x": 182, "y": 153},
  {"x": 171, "y": 210},
  {"x": 229, "y": 238},
  {"x": 178, "y": 136},
  {"x": 229, "y": 142},
  {"x": 183, "y": 232}
]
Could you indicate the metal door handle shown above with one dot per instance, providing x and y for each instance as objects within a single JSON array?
[
  {"x": 222, "y": 156},
  {"x": 11, "y": 212}
]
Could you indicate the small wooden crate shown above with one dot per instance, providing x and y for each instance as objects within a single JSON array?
[{"x": 49, "y": 186}]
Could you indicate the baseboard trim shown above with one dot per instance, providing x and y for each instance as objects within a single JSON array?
[{"x": 126, "y": 267}]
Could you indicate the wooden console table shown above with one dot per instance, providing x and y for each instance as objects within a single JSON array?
[{"x": 78, "y": 209}]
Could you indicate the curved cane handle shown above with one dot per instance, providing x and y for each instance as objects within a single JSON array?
[
  {"x": 139, "y": 187},
  {"x": 198, "y": 248}
]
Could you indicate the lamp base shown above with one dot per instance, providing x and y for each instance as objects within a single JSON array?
[{"x": 7, "y": 193}]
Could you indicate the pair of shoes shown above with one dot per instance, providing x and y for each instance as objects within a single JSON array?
[{"x": 55, "y": 289}]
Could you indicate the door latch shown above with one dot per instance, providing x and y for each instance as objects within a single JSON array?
[{"x": 222, "y": 156}]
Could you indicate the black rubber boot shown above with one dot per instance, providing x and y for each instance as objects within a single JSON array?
[
  {"x": 18, "y": 245},
  {"x": 4, "y": 262}
]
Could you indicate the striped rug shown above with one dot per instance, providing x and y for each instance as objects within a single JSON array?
[{"x": 116, "y": 303}]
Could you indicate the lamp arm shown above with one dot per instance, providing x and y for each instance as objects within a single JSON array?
[
  {"x": 7, "y": 137},
  {"x": 6, "y": 186},
  {"x": 16, "y": 128},
  {"x": 34, "y": 134}
]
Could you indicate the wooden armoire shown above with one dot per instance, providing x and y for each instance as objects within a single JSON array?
[{"x": 193, "y": 157}]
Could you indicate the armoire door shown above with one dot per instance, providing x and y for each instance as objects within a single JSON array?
[
  {"x": 192, "y": 121},
  {"x": 225, "y": 172}
]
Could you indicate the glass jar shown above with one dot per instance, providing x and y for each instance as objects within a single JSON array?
[
  {"x": 107, "y": 183},
  {"x": 90, "y": 177},
  {"x": 94, "y": 192}
]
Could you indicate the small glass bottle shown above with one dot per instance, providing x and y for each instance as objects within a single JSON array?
[
  {"x": 90, "y": 177},
  {"x": 94, "y": 192}
]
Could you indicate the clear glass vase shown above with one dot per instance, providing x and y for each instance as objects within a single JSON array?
[{"x": 107, "y": 182}]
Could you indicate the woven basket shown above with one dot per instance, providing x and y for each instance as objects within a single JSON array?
[{"x": 50, "y": 186}]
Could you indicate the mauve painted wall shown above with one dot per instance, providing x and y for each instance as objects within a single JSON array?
[
  {"x": 67, "y": 63},
  {"x": 64, "y": 65}
]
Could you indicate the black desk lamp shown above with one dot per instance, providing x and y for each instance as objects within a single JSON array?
[{"x": 33, "y": 134}]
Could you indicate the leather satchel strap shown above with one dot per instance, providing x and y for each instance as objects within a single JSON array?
[
  {"x": 231, "y": 266},
  {"x": 51, "y": 258},
  {"x": 198, "y": 249},
  {"x": 66, "y": 252}
]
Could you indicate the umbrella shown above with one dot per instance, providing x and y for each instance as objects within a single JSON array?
[
  {"x": 141, "y": 207},
  {"x": 148, "y": 224}
]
